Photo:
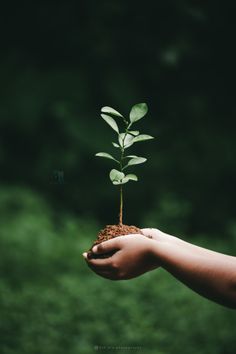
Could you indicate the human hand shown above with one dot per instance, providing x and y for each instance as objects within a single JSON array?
[
  {"x": 155, "y": 234},
  {"x": 161, "y": 236},
  {"x": 133, "y": 257}
]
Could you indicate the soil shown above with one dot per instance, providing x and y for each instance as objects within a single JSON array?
[{"x": 109, "y": 232}]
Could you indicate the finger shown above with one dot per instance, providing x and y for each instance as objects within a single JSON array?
[
  {"x": 99, "y": 268},
  {"x": 101, "y": 263},
  {"x": 107, "y": 275},
  {"x": 107, "y": 246}
]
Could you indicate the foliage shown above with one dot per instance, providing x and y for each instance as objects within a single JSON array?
[{"x": 124, "y": 141}]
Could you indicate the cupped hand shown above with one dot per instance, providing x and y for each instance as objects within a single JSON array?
[{"x": 133, "y": 257}]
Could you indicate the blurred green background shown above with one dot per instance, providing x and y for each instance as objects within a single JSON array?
[{"x": 61, "y": 61}]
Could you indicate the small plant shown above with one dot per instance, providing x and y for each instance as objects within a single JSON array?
[{"x": 125, "y": 139}]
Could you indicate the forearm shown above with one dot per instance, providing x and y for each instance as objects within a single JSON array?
[
  {"x": 164, "y": 237},
  {"x": 201, "y": 251},
  {"x": 210, "y": 274}
]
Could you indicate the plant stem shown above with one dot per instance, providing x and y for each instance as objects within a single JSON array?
[
  {"x": 121, "y": 206},
  {"x": 121, "y": 189},
  {"x": 121, "y": 169}
]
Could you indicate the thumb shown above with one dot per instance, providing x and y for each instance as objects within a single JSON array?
[{"x": 106, "y": 246}]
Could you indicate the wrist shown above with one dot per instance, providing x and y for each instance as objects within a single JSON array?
[{"x": 157, "y": 251}]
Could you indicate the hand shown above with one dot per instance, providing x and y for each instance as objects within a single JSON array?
[
  {"x": 155, "y": 234},
  {"x": 160, "y": 236},
  {"x": 134, "y": 257}
]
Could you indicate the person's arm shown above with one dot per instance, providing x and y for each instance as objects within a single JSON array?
[
  {"x": 209, "y": 273},
  {"x": 159, "y": 235}
]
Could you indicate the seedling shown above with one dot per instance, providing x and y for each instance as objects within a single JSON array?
[{"x": 124, "y": 141}]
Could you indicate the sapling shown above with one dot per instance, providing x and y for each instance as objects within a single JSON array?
[{"x": 126, "y": 137}]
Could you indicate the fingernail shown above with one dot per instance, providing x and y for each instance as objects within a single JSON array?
[
  {"x": 94, "y": 249},
  {"x": 84, "y": 255}
]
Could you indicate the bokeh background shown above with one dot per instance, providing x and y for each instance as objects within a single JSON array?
[{"x": 61, "y": 61}]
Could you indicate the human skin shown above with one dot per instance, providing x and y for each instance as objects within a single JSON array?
[{"x": 209, "y": 273}]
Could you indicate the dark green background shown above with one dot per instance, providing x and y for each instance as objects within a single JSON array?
[{"x": 60, "y": 63}]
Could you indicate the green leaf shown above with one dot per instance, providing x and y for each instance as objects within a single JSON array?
[
  {"x": 106, "y": 155},
  {"x": 120, "y": 138},
  {"x": 116, "y": 175},
  {"x": 142, "y": 137},
  {"x": 128, "y": 140},
  {"x": 110, "y": 110},
  {"x": 130, "y": 156},
  {"x": 123, "y": 181},
  {"x": 111, "y": 122},
  {"x": 132, "y": 177},
  {"x": 136, "y": 161},
  {"x": 116, "y": 145},
  {"x": 125, "y": 140},
  {"x": 138, "y": 111},
  {"x": 134, "y": 132},
  {"x": 126, "y": 179}
]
